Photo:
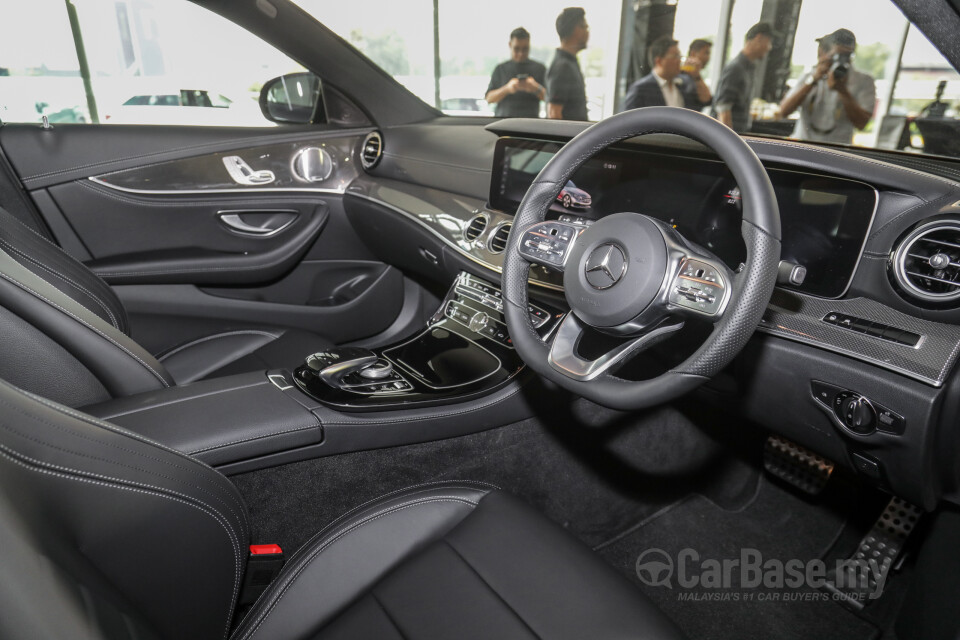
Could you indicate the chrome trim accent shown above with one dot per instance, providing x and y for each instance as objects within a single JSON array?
[
  {"x": 493, "y": 234},
  {"x": 231, "y": 219},
  {"x": 563, "y": 352},
  {"x": 166, "y": 192},
  {"x": 283, "y": 385},
  {"x": 447, "y": 241},
  {"x": 469, "y": 223},
  {"x": 903, "y": 250},
  {"x": 302, "y": 164},
  {"x": 363, "y": 145}
]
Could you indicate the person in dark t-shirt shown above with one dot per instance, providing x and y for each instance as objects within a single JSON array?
[
  {"x": 566, "y": 89},
  {"x": 516, "y": 86},
  {"x": 731, "y": 102}
]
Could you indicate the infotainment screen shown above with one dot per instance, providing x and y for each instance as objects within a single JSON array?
[{"x": 824, "y": 220}]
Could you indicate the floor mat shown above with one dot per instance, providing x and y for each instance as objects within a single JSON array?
[
  {"x": 681, "y": 550},
  {"x": 592, "y": 470}
]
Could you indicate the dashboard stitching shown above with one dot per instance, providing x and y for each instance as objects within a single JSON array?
[{"x": 932, "y": 203}]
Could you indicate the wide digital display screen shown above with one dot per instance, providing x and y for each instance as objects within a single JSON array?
[{"x": 824, "y": 220}]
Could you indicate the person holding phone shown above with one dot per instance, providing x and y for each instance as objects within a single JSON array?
[{"x": 516, "y": 86}]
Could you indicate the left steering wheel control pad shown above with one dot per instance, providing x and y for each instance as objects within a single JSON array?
[{"x": 615, "y": 270}]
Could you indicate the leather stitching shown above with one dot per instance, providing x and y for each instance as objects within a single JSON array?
[
  {"x": 258, "y": 437},
  {"x": 337, "y": 536},
  {"x": 214, "y": 337},
  {"x": 78, "y": 476},
  {"x": 10, "y": 247},
  {"x": 89, "y": 326},
  {"x": 151, "y": 407},
  {"x": 241, "y": 508},
  {"x": 241, "y": 515}
]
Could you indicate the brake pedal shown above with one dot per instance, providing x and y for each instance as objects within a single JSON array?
[
  {"x": 864, "y": 576},
  {"x": 796, "y": 465}
]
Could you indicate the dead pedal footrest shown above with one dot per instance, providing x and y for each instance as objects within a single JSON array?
[
  {"x": 796, "y": 465},
  {"x": 864, "y": 575}
]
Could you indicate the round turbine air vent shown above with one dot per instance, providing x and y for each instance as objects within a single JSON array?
[
  {"x": 927, "y": 263},
  {"x": 498, "y": 242},
  {"x": 372, "y": 150},
  {"x": 477, "y": 224}
]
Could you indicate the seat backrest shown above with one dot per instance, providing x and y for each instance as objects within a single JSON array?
[
  {"x": 108, "y": 535},
  {"x": 66, "y": 328}
]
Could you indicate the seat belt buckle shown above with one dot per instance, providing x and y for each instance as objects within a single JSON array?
[{"x": 263, "y": 566}]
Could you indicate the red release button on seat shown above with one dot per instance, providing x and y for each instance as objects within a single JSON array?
[{"x": 265, "y": 549}]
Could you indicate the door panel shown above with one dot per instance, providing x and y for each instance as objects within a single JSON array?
[{"x": 151, "y": 217}]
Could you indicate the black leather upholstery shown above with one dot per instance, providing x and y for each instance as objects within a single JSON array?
[
  {"x": 450, "y": 560},
  {"x": 108, "y": 535},
  {"x": 240, "y": 351},
  {"x": 57, "y": 310}
]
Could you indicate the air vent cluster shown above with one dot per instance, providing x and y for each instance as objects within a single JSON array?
[
  {"x": 927, "y": 262},
  {"x": 372, "y": 150},
  {"x": 499, "y": 240},
  {"x": 476, "y": 227}
]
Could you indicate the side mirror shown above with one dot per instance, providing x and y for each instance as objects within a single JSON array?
[{"x": 292, "y": 98}]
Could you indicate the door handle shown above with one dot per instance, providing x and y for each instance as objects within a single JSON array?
[
  {"x": 259, "y": 223},
  {"x": 241, "y": 172}
]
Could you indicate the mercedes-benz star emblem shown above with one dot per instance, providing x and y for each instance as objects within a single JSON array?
[{"x": 605, "y": 266}]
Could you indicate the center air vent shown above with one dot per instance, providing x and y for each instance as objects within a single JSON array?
[
  {"x": 927, "y": 262},
  {"x": 476, "y": 227},
  {"x": 499, "y": 240},
  {"x": 372, "y": 150}
]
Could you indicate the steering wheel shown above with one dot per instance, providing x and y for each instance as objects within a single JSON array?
[{"x": 635, "y": 277}]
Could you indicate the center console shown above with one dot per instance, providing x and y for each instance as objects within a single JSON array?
[{"x": 464, "y": 351}]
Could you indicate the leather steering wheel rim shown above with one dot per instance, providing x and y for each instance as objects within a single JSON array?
[{"x": 751, "y": 287}]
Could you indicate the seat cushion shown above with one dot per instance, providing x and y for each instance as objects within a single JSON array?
[
  {"x": 240, "y": 351},
  {"x": 450, "y": 560}
]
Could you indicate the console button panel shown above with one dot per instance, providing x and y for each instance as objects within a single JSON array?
[{"x": 873, "y": 329}]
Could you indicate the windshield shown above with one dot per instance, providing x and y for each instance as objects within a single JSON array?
[{"x": 846, "y": 73}]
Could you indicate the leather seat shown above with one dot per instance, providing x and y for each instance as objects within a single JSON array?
[
  {"x": 57, "y": 315},
  {"x": 108, "y": 535}
]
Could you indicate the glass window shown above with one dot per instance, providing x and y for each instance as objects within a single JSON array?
[{"x": 142, "y": 55}]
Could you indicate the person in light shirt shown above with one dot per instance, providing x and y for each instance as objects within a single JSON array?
[
  {"x": 834, "y": 98},
  {"x": 660, "y": 87}
]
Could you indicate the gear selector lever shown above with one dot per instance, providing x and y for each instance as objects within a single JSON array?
[{"x": 333, "y": 364}]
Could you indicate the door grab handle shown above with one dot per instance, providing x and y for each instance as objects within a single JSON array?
[
  {"x": 241, "y": 172},
  {"x": 271, "y": 226}
]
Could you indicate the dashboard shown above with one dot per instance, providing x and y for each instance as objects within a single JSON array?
[
  {"x": 825, "y": 220},
  {"x": 444, "y": 198}
]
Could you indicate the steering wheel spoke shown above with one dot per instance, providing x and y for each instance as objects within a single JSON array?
[
  {"x": 549, "y": 243},
  {"x": 564, "y": 355}
]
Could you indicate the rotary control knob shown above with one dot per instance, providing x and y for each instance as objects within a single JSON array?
[
  {"x": 377, "y": 371},
  {"x": 857, "y": 414},
  {"x": 479, "y": 321}
]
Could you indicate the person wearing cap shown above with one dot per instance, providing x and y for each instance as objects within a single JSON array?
[
  {"x": 735, "y": 89},
  {"x": 832, "y": 103}
]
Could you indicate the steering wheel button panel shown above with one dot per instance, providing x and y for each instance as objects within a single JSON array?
[
  {"x": 548, "y": 243},
  {"x": 699, "y": 287}
]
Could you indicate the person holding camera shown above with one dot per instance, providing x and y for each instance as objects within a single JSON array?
[
  {"x": 517, "y": 85},
  {"x": 834, "y": 98}
]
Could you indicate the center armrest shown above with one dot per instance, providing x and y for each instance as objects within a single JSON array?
[{"x": 220, "y": 421}]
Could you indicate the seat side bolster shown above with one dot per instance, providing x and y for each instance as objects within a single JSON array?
[
  {"x": 359, "y": 549},
  {"x": 119, "y": 363}
]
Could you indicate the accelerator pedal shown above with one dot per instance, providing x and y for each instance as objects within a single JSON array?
[{"x": 865, "y": 574}]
